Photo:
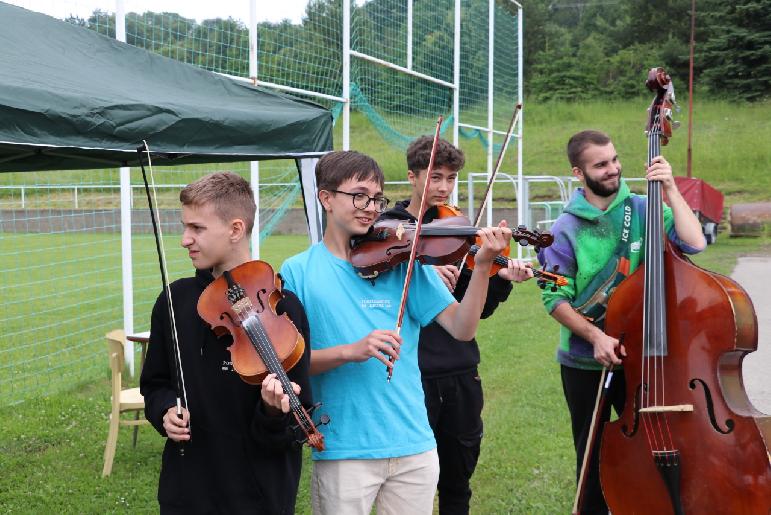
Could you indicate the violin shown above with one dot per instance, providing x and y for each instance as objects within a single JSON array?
[
  {"x": 242, "y": 302},
  {"x": 442, "y": 241},
  {"x": 688, "y": 439},
  {"x": 544, "y": 277}
]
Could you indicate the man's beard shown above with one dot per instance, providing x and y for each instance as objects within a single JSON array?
[{"x": 599, "y": 189}]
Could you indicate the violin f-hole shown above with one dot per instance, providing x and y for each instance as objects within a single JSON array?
[
  {"x": 258, "y": 296},
  {"x": 224, "y": 314}
]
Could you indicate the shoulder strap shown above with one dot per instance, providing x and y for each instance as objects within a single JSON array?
[{"x": 593, "y": 300}]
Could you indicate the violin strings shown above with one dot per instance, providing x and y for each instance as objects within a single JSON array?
[{"x": 256, "y": 331}]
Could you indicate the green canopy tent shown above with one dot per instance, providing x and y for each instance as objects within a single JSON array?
[{"x": 71, "y": 98}]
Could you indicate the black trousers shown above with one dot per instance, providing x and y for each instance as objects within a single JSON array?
[
  {"x": 454, "y": 405},
  {"x": 580, "y": 388}
]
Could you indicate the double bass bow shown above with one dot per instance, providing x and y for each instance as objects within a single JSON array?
[{"x": 688, "y": 439}]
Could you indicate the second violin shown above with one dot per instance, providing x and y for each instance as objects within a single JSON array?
[{"x": 443, "y": 241}]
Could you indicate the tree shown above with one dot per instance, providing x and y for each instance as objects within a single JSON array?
[{"x": 737, "y": 56}]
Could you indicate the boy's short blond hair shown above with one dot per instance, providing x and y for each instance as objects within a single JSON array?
[{"x": 229, "y": 193}]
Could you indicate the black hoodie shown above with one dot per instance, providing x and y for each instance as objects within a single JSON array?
[
  {"x": 439, "y": 354},
  {"x": 239, "y": 459}
]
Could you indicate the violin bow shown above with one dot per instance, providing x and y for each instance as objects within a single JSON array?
[
  {"x": 152, "y": 201},
  {"x": 599, "y": 403},
  {"x": 414, "y": 249},
  {"x": 498, "y": 161}
]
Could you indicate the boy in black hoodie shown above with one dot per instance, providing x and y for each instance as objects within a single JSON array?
[
  {"x": 240, "y": 452},
  {"x": 451, "y": 382}
]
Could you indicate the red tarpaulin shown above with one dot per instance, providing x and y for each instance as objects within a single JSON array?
[{"x": 701, "y": 197}]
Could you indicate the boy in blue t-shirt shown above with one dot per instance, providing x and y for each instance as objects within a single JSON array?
[{"x": 379, "y": 445}]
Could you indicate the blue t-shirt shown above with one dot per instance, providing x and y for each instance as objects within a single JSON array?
[{"x": 370, "y": 417}]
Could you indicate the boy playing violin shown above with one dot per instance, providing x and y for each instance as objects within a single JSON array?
[
  {"x": 239, "y": 451},
  {"x": 451, "y": 382},
  {"x": 380, "y": 448}
]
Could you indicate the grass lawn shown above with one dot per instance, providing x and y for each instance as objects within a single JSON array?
[
  {"x": 62, "y": 292},
  {"x": 51, "y": 446}
]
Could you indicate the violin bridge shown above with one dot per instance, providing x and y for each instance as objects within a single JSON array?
[
  {"x": 242, "y": 306},
  {"x": 666, "y": 409},
  {"x": 400, "y": 231}
]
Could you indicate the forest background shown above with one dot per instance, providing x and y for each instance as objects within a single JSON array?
[{"x": 573, "y": 49}]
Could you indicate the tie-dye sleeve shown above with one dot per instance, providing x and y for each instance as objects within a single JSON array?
[{"x": 562, "y": 255}]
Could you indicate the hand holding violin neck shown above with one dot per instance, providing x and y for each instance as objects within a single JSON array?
[{"x": 494, "y": 240}]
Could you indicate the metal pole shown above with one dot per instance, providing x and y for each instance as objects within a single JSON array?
[
  {"x": 456, "y": 91},
  {"x": 254, "y": 166},
  {"x": 690, "y": 86},
  {"x": 409, "y": 34},
  {"x": 490, "y": 106},
  {"x": 347, "y": 74},
  {"x": 522, "y": 200},
  {"x": 127, "y": 273}
]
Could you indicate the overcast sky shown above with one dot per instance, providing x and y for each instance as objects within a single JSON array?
[{"x": 267, "y": 10}]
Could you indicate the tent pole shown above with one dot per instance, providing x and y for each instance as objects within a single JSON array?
[
  {"x": 125, "y": 221},
  {"x": 254, "y": 166},
  {"x": 126, "y": 262}
]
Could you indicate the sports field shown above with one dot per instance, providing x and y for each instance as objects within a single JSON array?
[{"x": 51, "y": 447}]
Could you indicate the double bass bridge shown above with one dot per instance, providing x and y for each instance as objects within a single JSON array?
[{"x": 667, "y": 409}]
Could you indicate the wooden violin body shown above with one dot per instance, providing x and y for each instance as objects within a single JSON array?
[
  {"x": 242, "y": 302},
  {"x": 389, "y": 242},
  {"x": 265, "y": 287},
  {"x": 722, "y": 444},
  {"x": 443, "y": 241}
]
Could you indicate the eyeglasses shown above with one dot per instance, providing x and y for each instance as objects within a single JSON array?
[{"x": 362, "y": 200}]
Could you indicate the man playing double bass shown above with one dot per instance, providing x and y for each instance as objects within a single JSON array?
[{"x": 597, "y": 243}]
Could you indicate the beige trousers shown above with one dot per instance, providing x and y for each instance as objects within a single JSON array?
[{"x": 397, "y": 486}]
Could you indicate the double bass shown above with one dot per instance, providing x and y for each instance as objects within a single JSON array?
[{"x": 688, "y": 439}]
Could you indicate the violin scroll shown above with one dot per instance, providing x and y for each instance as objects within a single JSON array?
[{"x": 546, "y": 277}]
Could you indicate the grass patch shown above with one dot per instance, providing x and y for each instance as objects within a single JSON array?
[
  {"x": 52, "y": 445},
  {"x": 729, "y": 152}
]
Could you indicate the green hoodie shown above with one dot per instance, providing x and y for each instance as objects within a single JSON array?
[{"x": 586, "y": 249}]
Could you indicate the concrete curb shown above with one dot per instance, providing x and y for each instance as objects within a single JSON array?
[{"x": 756, "y": 369}]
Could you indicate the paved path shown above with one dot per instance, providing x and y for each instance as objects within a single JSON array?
[{"x": 753, "y": 274}]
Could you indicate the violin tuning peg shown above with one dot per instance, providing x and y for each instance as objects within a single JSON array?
[
  {"x": 541, "y": 284},
  {"x": 323, "y": 420}
]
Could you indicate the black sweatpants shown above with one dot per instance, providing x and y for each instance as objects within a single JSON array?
[
  {"x": 580, "y": 388},
  {"x": 454, "y": 405}
]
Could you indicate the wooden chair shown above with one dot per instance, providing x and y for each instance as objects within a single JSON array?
[{"x": 122, "y": 400}]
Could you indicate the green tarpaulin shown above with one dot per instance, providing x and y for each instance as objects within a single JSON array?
[{"x": 73, "y": 99}]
